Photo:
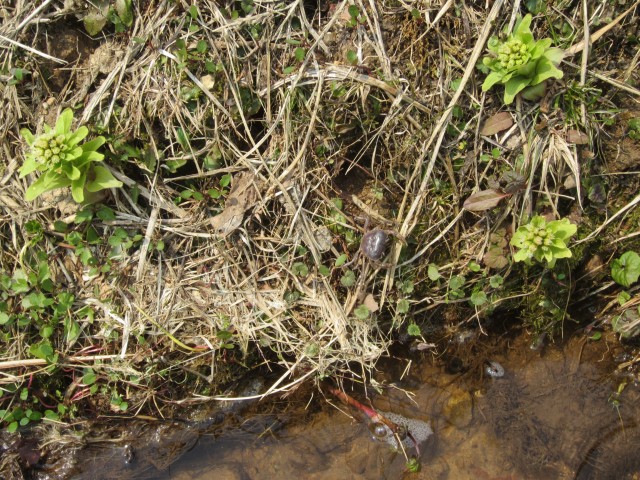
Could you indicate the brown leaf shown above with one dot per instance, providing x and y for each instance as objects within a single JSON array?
[
  {"x": 495, "y": 258},
  {"x": 242, "y": 197},
  {"x": 498, "y": 238},
  {"x": 484, "y": 200},
  {"x": 497, "y": 123},
  {"x": 577, "y": 137},
  {"x": 371, "y": 303}
]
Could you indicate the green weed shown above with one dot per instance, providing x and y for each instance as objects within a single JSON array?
[
  {"x": 520, "y": 63},
  {"x": 63, "y": 161},
  {"x": 543, "y": 241}
]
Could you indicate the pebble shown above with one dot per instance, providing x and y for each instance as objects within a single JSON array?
[
  {"x": 494, "y": 369},
  {"x": 458, "y": 410}
]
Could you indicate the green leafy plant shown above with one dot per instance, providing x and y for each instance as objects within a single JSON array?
[
  {"x": 478, "y": 298},
  {"x": 521, "y": 63},
  {"x": 362, "y": 312},
  {"x": 414, "y": 330},
  {"x": 354, "y": 16},
  {"x": 543, "y": 241},
  {"x": 456, "y": 290},
  {"x": 348, "y": 279},
  {"x": 64, "y": 161},
  {"x": 413, "y": 465},
  {"x": 101, "y": 11},
  {"x": 634, "y": 128},
  {"x": 626, "y": 269},
  {"x": 338, "y": 223}
]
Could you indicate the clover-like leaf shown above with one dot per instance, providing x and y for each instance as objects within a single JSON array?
[
  {"x": 626, "y": 269},
  {"x": 362, "y": 312}
]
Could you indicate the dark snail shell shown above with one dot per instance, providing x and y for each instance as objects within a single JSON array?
[{"x": 374, "y": 244}]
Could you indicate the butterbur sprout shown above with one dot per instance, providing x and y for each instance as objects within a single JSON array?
[
  {"x": 63, "y": 161},
  {"x": 520, "y": 63},
  {"x": 543, "y": 241}
]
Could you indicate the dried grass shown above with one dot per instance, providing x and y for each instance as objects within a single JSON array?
[{"x": 326, "y": 129}]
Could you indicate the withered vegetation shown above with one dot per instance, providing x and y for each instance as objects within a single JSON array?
[{"x": 256, "y": 141}]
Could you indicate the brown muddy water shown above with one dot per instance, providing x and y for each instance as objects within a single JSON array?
[{"x": 553, "y": 414}]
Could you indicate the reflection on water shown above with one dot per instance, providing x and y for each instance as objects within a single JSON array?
[{"x": 549, "y": 416}]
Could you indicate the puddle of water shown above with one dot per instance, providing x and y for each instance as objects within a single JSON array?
[{"x": 548, "y": 416}]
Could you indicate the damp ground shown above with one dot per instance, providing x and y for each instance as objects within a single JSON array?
[{"x": 565, "y": 411}]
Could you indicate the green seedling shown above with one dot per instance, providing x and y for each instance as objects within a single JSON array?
[
  {"x": 520, "y": 63},
  {"x": 414, "y": 330},
  {"x": 118, "y": 404},
  {"x": 18, "y": 416},
  {"x": 540, "y": 240},
  {"x": 433, "y": 273},
  {"x": 101, "y": 12},
  {"x": 456, "y": 290},
  {"x": 362, "y": 312},
  {"x": 63, "y": 161},
  {"x": 413, "y": 465},
  {"x": 188, "y": 194},
  {"x": 634, "y": 129},
  {"x": 626, "y": 269},
  {"x": 354, "y": 16}
]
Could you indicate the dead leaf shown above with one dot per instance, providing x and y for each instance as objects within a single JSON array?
[
  {"x": 577, "y": 137},
  {"x": 497, "y": 123},
  {"x": 498, "y": 238},
  {"x": 570, "y": 182},
  {"x": 208, "y": 82},
  {"x": 495, "y": 258},
  {"x": 323, "y": 238},
  {"x": 420, "y": 346},
  {"x": 371, "y": 303},
  {"x": 243, "y": 195},
  {"x": 484, "y": 200},
  {"x": 513, "y": 181}
]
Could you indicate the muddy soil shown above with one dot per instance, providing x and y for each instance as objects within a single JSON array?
[
  {"x": 550, "y": 416},
  {"x": 555, "y": 413}
]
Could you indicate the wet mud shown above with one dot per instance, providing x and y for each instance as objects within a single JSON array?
[{"x": 553, "y": 412}]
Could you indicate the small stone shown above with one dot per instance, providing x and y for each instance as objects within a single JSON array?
[{"x": 459, "y": 408}]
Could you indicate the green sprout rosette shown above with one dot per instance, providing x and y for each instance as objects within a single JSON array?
[
  {"x": 521, "y": 63},
  {"x": 64, "y": 162},
  {"x": 543, "y": 241}
]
